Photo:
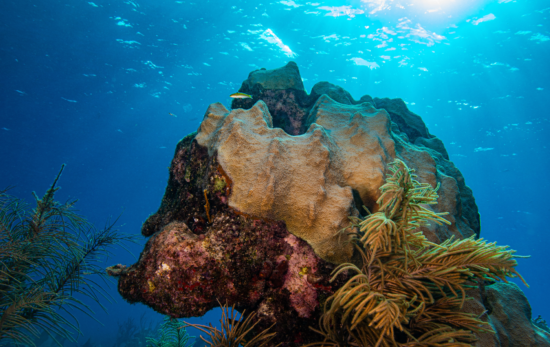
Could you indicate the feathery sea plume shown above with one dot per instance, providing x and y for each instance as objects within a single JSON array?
[
  {"x": 409, "y": 291},
  {"x": 47, "y": 255},
  {"x": 172, "y": 333},
  {"x": 235, "y": 332}
]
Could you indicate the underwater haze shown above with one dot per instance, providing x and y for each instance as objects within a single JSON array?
[{"x": 110, "y": 87}]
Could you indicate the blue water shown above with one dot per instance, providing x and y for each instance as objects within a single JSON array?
[{"x": 92, "y": 85}]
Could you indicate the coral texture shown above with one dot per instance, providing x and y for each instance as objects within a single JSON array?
[
  {"x": 256, "y": 197},
  {"x": 313, "y": 182},
  {"x": 306, "y": 181}
]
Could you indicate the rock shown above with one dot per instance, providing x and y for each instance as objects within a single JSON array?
[
  {"x": 433, "y": 143},
  {"x": 286, "y": 77},
  {"x": 335, "y": 92},
  {"x": 283, "y": 91},
  {"x": 408, "y": 122},
  {"x": 506, "y": 309},
  {"x": 365, "y": 98},
  {"x": 510, "y": 316}
]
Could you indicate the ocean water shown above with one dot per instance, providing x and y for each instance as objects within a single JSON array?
[{"x": 110, "y": 87}]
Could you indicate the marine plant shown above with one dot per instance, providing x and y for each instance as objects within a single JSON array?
[
  {"x": 408, "y": 291},
  {"x": 235, "y": 333},
  {"x": 47, "y": 256},
  {"x": 172, "y": 333}
]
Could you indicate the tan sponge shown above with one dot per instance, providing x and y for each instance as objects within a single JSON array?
[{"x": 308, "y": 181}]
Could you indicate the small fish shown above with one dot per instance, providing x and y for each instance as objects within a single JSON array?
[
  {"x": 173, "y": 115},
  {"x": 6, "y": 129},
  {"x": 240, "y": 96}
]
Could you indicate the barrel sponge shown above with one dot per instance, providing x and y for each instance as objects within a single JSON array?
[{"x": 308, "y": 181}]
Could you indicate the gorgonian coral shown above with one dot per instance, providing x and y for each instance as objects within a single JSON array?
[{"x": 409, "y": 291}]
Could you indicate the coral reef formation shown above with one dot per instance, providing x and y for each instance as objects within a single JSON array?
[{"x": 256, "y": 213}]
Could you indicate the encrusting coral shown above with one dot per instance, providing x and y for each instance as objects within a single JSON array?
[{"x": 409, "y": 291}]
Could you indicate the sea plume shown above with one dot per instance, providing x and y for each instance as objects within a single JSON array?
[
  {"x": 235, "y": 332},
  {"x": 408, "y": 291},
  {"x": 47, "y": 256}
]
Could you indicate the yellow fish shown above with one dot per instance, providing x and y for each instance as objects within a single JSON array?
[
  {"x": 240, "y": 96},
  {"x": 173, "y": 115}
]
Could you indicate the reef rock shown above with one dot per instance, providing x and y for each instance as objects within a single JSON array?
[
  {"x": 510, "y": 315},
  {"x": 287, "y": 77},
  {"x": 257, "y": 200}
]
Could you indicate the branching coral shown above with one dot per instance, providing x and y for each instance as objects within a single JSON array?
[{"x": 409, "y": 291}]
